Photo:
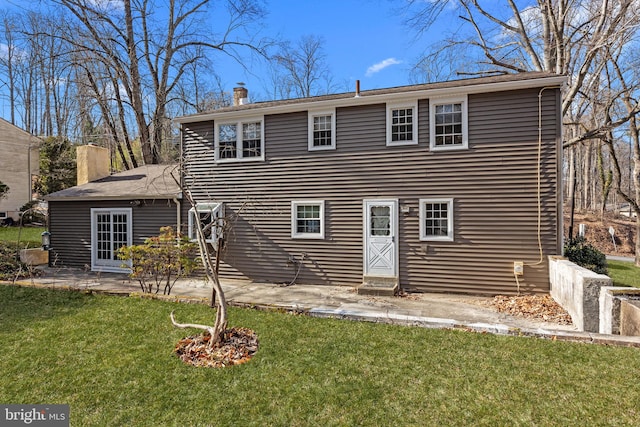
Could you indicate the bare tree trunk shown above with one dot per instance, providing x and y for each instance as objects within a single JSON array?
[
  {"x": 636, "y": 171},
  {"x": 211, "y": 270},
  {"x": 572, "y": 187},
  {"x": 10, "y": 57},
  {"x": 606, "y": 179},
  {"x": 149, "y": 155}
]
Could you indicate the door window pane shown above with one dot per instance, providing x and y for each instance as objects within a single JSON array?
[{"x": 380, "y": 220}]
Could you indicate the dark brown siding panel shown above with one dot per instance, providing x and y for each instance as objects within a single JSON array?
[
  {"x": 494, "y": 185},
  {"x": 70, "y": 226}
]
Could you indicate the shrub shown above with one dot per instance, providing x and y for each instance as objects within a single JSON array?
[
  {"x": 160, "y": 260},
  {"x": 580, "y": 252},
  {"x": 10, "y": 265}
]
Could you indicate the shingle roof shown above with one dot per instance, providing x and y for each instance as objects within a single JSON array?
[
  {"x": 461, "y": 83},
  {"x": 145, "y": 182}
]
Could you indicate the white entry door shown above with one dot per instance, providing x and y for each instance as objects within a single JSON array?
[{"x": 380, "y": 238}]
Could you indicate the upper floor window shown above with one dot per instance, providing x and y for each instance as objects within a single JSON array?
[
  {"x": 436, "y": 219},
  {"x": 322, "y": 130},
  {"x": 211, "y": 218},
  {"x": 448, "y": 120},
  {"x": 307, "y": 219},
  {"x": 242, "y": 140},
  {"x": 402, "y": 123}
]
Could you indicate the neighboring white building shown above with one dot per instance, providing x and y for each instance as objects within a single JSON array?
[{"x": 19, "y": 164}]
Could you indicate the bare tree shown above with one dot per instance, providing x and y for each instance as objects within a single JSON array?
[
  {"x": 301, "y": 69},
  {"x": 8, "y": 60},
  {"x": 562, "y": 36},
  {"x": 211, "y": 263},
  {"x": 149, "y": 52},
  {"x": 629, "y": 80}
]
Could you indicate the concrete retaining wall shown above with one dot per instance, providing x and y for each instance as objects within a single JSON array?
[
  {"x": 613, "y": 301},
  {"x": 577, "y": 289},
  {"x": 630, "y": 318}
]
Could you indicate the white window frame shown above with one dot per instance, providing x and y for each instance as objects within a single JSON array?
[
  {"x": 294, "y": 219},
  {"x": 463, "y": 101},
  {"x": 239, "y": 134},
  {"x": 423, "y": 228},
  {"x": 413, "y": 104},
  {"x": 113, "y": 266},
  {"x": 217, "y": 211},
  {"x": 322, "y": 113}
]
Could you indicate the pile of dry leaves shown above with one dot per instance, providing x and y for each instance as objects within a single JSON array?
[
  {"x": 537, "y": 307},
  {"x": 237, "y": 346}
]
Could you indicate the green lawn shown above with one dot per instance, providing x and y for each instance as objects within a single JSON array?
[
  {"x": 624, "y": 273},
  {"x": 110, "y": 358},
  {"x": 30, "y": 236}
]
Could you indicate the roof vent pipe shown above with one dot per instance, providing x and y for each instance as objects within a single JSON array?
[{"x": 357, "y": 89}]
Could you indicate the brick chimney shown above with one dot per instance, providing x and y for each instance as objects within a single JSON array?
[
  {"x": 240, "y": 95},
  {"x": 93, "y": 163}
]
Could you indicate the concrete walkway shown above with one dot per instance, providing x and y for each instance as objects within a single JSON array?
[{"x": 425, "y": 310}]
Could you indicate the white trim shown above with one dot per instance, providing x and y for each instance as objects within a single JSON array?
[
  {"x": 95, "y": 266},
  {"x": 216, "y": 210},
  {"x": 238, "y": 123},
  {"x": 463, "y": 101},
  {"x": 294, "y": 217},
  {"x": 321, "y": 113},
  {"x": 413, "y": 104},
  {"x": 366, "y": 98},
  {"x": 450, "y": 214}
]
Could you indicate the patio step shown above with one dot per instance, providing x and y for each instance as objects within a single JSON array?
[{"x": 378, "y": 286}]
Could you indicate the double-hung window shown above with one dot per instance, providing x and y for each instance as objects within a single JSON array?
[
  {"x": 307, "y": 219},
  {"x": 402, "y": 123},
  {"x": 239, "y": 140},
  {"x": 448, "y": 119},
  {"x": 211, "y": 221},
  {"x": 436, "y": 219},
  {"x": 322, "y": 130}
]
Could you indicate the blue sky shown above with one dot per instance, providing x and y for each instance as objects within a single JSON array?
[{"x": 364, "y": 40}]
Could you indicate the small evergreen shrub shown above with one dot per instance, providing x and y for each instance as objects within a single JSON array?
[{"x": 581, "y": 252}]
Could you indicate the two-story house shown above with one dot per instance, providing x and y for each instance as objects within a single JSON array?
[{"x": 445, "y": 187}]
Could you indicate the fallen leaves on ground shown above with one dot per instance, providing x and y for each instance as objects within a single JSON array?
[
  {"x": 537, "y": 307},
  {"x": 237, "y": 346}
]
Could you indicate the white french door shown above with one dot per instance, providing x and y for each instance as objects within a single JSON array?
[
  {"x": 110, "y": 230},
  {"x": 380, "y": 238}
]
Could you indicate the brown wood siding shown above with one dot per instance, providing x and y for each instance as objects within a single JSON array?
[
  {"x": 493, "y": 183},
  {"x": 70, "y": 226}
]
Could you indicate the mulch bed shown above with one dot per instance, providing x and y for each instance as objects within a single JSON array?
[{"x": 237, "y": 346}]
